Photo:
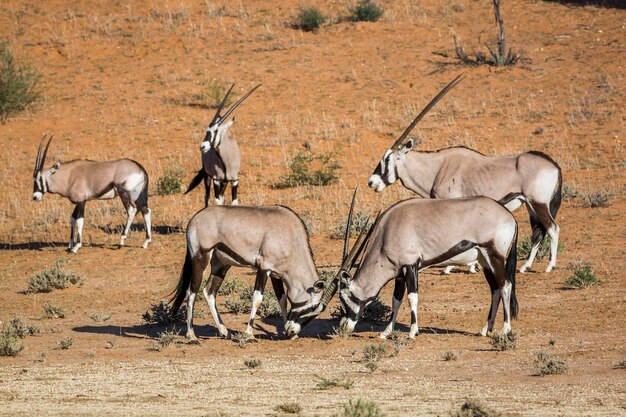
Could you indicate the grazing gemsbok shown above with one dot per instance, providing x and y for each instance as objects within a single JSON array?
[
  {"x": 271, "y": 239},
  {"x": 532, "y": 178},
  {"x": 416, "y": 233},
  {"x": 82, "y": 180},
  {"x": 221, "y": 158}
]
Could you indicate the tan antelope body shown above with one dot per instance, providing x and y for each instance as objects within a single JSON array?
[
  {"x": 532, "y": 178},
  {"x": 81, "y": 180},
  {"x": 221, "y": 157},
  {"x": 417, "y": 233},
  {"x": 270, "y": 239}
]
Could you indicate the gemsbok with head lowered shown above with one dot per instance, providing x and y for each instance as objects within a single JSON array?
[
  {"x": 532, "y": 178},
  {"x": 82, "y": 180},
  {"x": 221, "y": 157},
  {"x": 416, "y": 233},
  {"x": 270, "y": 239}
]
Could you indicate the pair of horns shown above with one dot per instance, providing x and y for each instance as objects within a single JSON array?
[
  {"x": 217, "y": 118},
  {"x": 41, "y": 160},
  {"x": 426, "y": 109},
  {"x": 349, "y": 258}
]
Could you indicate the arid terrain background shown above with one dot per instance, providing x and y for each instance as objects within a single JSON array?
[{"x": 130, "y": 79}]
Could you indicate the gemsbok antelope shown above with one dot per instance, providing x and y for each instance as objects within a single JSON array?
[
  {"x": 416, "y": 233},
  {"x": 532, "y": 178},
  {"x": 271, "y": 239},
  {"x": 221, "y": 157},
  {"x": 82, "y": 180}
]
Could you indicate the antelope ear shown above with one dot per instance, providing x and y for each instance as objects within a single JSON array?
[
  {"x": 319, "y": 286},
  {"x": 227, "y": 126},
  {"x": 407, "y": 146},
  {"x": 345, "y": 277},
  {"x": 55, "y": 168}
]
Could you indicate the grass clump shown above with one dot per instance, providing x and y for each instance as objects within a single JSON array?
[
  {"x": 252, "y": 363},
  {"x": 231, "y": 286},
  {"x": 99, "y": 317},
  {"x": 304, "y": 173},
  {"x": 365, "y": 11},
  {"x": 171, "y": 182},
  {"x": 309, "y": 19},
  {"x": 341, "y": 331},
  {"x": 328, "y": 383},
  {"x": 19, "y": 84},
  {"x": 56, "y": 277},
  {"x": 20, "y": 329},
  {"x": 360, "y": 221},
  {"x": 10, "y": 344},
  {"x": 504, "y": 341},
  {"x": 449, "y": 356},
  {"x": 548, "y": 364},
  {"x": 361, "y": 408},
  {"x": 474, "y": 408},
  {"x": 596, "y": 199},
  {"x": 241, "y": 305},
  {"x": 164, "y": 340},
  {"x": 374, "y": 352},
  {"x": 288, "y": 408},
  {"x": 160, "y": 314},
  {"x": 52, "y": 311},
  {"x": 66, "y": 343},
  {"x": 525, "y": 245},
  {"x": 583, "y": 277},
  {"x": 242, "y": 338}
]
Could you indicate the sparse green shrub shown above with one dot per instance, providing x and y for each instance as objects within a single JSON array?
[
  {"x": 374, "y": 352},
  {"x": 303, "y": 173},
  {"x": 56, "y": 277},
  {"x": 474, "y": 408},
  {"x": 241, "y": 305},
  {"x": 582, "y": 277},
  {"x": 160, "y": 314},
  {"x": 596, "y": 199},
  {"x": 99, "y": 317},
  {"x": 309, "y": 19},
  {"x": 171, "y": 182},
  {"x": 569, "y": 192},
  {"x": 66, "y": 343},
  {"x": 398, "y": 339},
  {"x": 360, "y": 221},
  {"x": 449, "y": 356},
  {"x": 214, "y": 92},
  {"x": 242, "y": 338},
  {"x": 252, "y": 363},
  {"x": 328, "y": 383},
  {"x": 288, "y": 408},
  {"x": 20, "y": 329},
  {"x": 164, "y": 339},
  {"x": 51, "y": 311},
  {"x": 524, "y": 246},
  {"x": 361, "y": 408},
  {"x": 504, "y": 341},
  {"x": 366, "y": 11},
  {"x": 10, "y": 344},
  {"x": 231, "y": 285},
  {"x": 549, "y": 364},
  {"x": 19, "y": 84}
]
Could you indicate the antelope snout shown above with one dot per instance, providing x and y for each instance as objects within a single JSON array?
[
  {"x": 205, "y": 147},
  {"x": 37, "y": 196},
  {"x": 292, "y": 328},
  {"x": 376, "y": 183}
]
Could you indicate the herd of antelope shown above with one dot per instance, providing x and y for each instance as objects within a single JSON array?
[{"x": 463, "y": 218}]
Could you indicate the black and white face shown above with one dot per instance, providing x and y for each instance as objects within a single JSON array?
[
  {"x": 39, "y": 187},
  {"x": 385, "y": 172},
  {"x": 211, "y": 138},
  {"x": 302, "y": 313},
  {"x": 350, "y": 309}
]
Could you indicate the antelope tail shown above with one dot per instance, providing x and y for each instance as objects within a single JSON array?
[
  {"x": 200, "y": 176},
  {"x": 183, "y": 285},
  {"x": 142, "y": 200},
  {"x": 555, "y": 202},
  {"x": 510, "y": 269}
]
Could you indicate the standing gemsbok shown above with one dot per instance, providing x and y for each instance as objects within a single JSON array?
[
  {"x": 414, "y": 234},
  {"x": 81, "y": 180},
  {"x": 221, "y": 158},
  {"x": 532, "y": 178},
  {"x": 270, "y": 239}
]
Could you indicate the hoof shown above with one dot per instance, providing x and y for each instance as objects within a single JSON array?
[{"x": 146, "y": 244}]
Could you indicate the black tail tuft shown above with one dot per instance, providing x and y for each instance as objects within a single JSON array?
[
  {"x": 555, "y": 202},
  {"x": 510, "y": 268},
  {"x": 142, "y": 200},
  {"x": 183, "y": 285},
  {"x": 200, "y": 176}
]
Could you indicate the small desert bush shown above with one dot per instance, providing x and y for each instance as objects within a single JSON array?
[
  {"x": 309, "y": 19},
  {"x": 374, "y": 352},
  {"x": 99, "y": 317},
  {"x": 19, "y": 84},
  {"x": 504, "y": 341},
  {"x": 596, "y": 199},
  {"x": 213, "y": 93},
  {"x": 241, "y": 305},
  {"x": 474, "y": 408},
  {"x": 160, "y": 314},
  {"x": 252, "y": 363},
  {"x": 56, "y": 277},
  {"x": 548, "y": 364},
  {"x": 524, "y": 246},
  {"x": 361, "y": 408},
  {"x": 65, "y": 343},
  {"x": 288, "y": 408},
  {"x": 449, "y": 356},
  {"x": 10, "y": 345},
  {"x": 20, "y": 329},
  {"x": 569, "y": 192},
  {"x": 231, "y": 286},
  {"x": 328, "y": 383},
  {"x": 341, "y": 331},
  {"x": 360, "y": 221},
  {"x": 242, "y": 338},
  {"x": 365, "y": 11},
  {"x": 164, "y": 340},
  {"x": 171, "y": 182},
  {"x": 583, "y": 277},
  {"x": 52, "y": 311},
  {"x": 304, "y": 173}
]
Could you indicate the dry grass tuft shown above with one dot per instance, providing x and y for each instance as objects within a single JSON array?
[{"x": 504, "y": 341}]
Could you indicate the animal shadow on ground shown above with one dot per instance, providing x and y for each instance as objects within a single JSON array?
[
  {"x": 31, "y": 245},
  {"x": 157, "y": 230}
]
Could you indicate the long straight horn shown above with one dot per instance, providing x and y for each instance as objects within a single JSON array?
[
  {"x": 365, "y": 241},
  {"x": 346, "y": 237},
  {"x": 234, "y": 106},
  {"x": 426, "y": 109},
  {"x": 221, "y": 106},
  {"x": 45, "y": 152},
  {"x": 38, "y": 155}
]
